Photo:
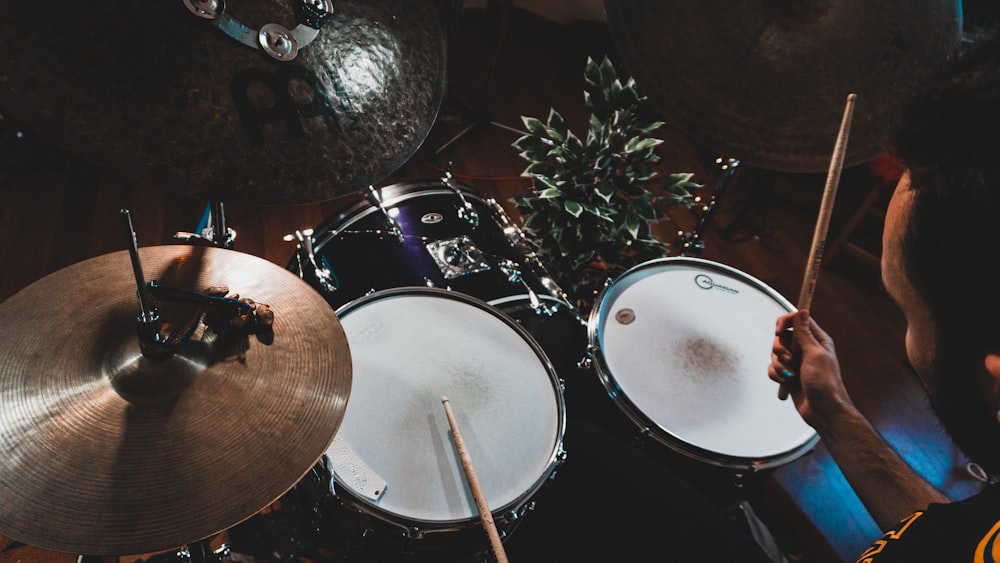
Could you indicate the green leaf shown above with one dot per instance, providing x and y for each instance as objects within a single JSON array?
[
  {"x": 543, "y": 183},
  {"x": 534, "y": 126},
  {"x": 605, "y": 190},
  {"x": 550, "y": 193},
  {"x": 573, "y": 208},
  {"x": 538, "y": 169},
  {"x": 574, "y": 146},
  {"x": 556, "y": 121},
  {"x": 531, "y": 143},
  {"x": 640, "y": 143},
  {"x": 649, "y": 129},
  {"x": 644, "y": 209},
  {"x": 640, "y": 171},
  {"x": 631, "y": 226}
]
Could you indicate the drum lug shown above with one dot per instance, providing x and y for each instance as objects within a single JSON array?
[
  {"x": 561, "y": 456},
  {"x": 587, "y": 361},
  {"x": 511, "y": 232},
  {"x": 466, "y": 212}
]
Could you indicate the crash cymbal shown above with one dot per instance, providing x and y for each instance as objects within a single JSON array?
[
  {"x": 154, "y": 92},
  {"x": 205, "y": 439},
  {"x": 766, "y": 82}
]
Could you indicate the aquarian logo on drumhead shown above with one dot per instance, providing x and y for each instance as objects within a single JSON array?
[{"x": 705, "y": 282}]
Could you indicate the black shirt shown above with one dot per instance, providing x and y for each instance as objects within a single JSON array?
[{"x": 967, "y": 530}]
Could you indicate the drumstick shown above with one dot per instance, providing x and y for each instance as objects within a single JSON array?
[
  {"x": 825, "y": 211},
  {"x": 826, "y": 206},
  {"x": 477, "y": 493}
]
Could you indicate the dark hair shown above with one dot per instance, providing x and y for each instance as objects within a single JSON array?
[{"x": 948, "y": 136}]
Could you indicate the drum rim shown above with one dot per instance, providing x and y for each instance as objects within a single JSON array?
[
  {"x": 650, "y": 427},
  {"x": 416, "y": 527}
]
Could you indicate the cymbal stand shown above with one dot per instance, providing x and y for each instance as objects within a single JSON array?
[
  {"x": 691, "y": 243},
  {"x": 479, "y": 116},
  {"x": 148, "y": 321},
  {"x": 212, "y": 231}
]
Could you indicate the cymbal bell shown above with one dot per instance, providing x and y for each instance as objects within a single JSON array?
[
  {"x": 766, "y": 82},
  {"x": 153, "y": 92},
  {"x": 103, "y": 452}
]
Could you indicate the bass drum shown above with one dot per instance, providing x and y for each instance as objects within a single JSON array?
[
  {"x": 682, "y": 346},
  {"x": 431, "y": 234},
  {"x": 397, "y": 478}
]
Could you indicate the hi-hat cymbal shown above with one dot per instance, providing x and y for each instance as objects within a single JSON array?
[
  {"x": 207, "y": 438},
  {"x": 767, "y": 81},
  {"x": 154, "y": 92}
]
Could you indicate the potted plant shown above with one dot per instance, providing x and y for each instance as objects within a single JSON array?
[{"x": 588, "y": 214}]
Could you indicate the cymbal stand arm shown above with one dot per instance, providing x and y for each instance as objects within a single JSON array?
[
  {"x": 220, "y": 231},
  {"x": 691, "y": 242},
  {"x": 149, "y": 318}
]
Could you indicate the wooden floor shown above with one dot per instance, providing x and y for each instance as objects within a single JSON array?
[{"x": 56, "y": 210}]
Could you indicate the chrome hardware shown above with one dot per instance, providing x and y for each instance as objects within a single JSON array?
[
  {"x": 208, "y": 9},
  {"x": 513, "y": 273},
  {"x": 457, "y": 257},
  {"x": 511, "y": 232},
  {"x": 274, "y": 39},
  {"x": 323, "y": 275},
  {"x": 278, "y": 42},
  {"x": 392, "y": 226},
  {"x": 691, "y": 242},
  {"x": 466, "y": 212}
]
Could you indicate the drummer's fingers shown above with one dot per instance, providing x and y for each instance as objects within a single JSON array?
[
  {"x": 780, "y": 352},
  {"x": 817, "y": 333},
  {"x": 784, "y": 377},
  {"x": 783, "y": 323}
]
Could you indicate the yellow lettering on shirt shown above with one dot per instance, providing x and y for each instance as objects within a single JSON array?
[
  {"x": 869, "y": 555},
  {"x": 989, "y": 543}
]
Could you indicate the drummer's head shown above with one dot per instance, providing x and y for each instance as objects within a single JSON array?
[{"x": 942, "y": 243}]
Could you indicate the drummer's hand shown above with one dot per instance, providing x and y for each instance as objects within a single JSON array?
[{"x": 809, "y": 370}]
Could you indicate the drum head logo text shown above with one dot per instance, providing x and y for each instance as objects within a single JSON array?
[{"x": 705, "y": 282}]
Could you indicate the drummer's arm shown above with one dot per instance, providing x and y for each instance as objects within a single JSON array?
[{"x": 888, "y": 487}]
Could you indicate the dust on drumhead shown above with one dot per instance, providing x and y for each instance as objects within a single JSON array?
[{"x": 708, "y": 357}]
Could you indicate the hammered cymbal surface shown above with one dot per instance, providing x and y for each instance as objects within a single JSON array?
[
  {"x": 83, "y": 470},
  {"x": 159, "y": 95},
  {"x": 766, "y": 81}
]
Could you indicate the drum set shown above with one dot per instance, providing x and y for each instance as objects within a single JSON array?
[{"x": 319, "y": 424}]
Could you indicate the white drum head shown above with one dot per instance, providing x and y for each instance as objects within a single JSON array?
[
  {"x": 686, "y": 342},
  {"x": 411, "y": 347}
]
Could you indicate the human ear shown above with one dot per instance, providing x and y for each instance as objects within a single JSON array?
[{"x": 992, "y": 363}]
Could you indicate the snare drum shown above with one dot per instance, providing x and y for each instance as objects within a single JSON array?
[
  {"x": 682, "y": 345},
  {"x": 394, "y": 461},
  {"x": 433, "y": 233}
]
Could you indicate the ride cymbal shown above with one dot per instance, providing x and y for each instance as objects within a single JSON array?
[
  {"x": 156, "y": 93},
  {"x": 766, "y": 81},
  {"x": 206, "y": 439}
]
